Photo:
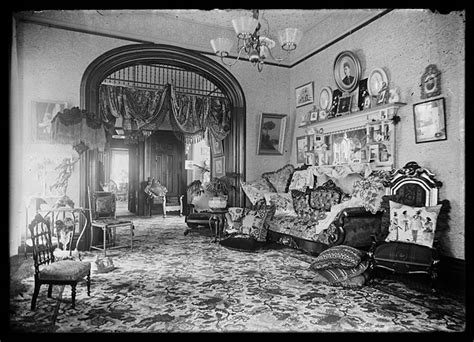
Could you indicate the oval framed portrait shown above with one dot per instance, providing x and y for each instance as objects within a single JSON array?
[
  {"x": 347, "y": 71},
  {"x": 375, "y": 83},
  {"x": 325, "y": 98}
]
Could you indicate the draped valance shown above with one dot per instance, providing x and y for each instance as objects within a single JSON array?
[{"x": 192, "y": 117}]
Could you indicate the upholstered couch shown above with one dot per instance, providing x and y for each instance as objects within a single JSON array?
[{"x": 296, "y": 210}]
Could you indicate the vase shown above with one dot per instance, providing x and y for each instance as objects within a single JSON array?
[{"x": 218, "y": 202}]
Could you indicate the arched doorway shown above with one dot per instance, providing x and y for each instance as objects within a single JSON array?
[{"x": 128, "y": 55}]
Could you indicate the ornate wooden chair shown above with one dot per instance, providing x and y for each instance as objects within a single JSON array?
[
  {"x": 409, "y": 251},
  {"x": 158, "y": 193},
  {"x": 102, "y": 216},
  {"x": 49, "y": 270}
]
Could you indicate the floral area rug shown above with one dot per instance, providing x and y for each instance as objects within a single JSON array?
[{"x": 176, "y": 283}]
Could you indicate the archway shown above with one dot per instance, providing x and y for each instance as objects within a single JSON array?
[{"x": 127, "y": 55}]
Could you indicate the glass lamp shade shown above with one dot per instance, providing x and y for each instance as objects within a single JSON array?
[
  {"x": 244, "y": 26},
  {"x": 221, "y": 46},
  {"x": 265, "y": 45},
  {"x": 289, "y": 38}
]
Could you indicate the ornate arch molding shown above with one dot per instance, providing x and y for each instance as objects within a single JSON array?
[{"x": 127, "y": 55}]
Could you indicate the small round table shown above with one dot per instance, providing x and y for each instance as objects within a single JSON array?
[{"x": 217, "y": 219}]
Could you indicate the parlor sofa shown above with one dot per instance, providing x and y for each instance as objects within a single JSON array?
[{"x": 290, "y": 207}]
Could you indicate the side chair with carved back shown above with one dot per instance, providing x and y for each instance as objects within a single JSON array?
[{"x": 48, "y": 269}]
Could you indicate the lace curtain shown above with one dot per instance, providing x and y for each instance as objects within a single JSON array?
[{"x": 192, "y": 117}]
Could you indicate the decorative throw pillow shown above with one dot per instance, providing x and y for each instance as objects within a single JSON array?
[
  {"x": 254, "y": 190},
  {"x": 254, "y": 224},
  {"x": 340, "y": 256},
  {"x": 234, "y": 218},
  {"x": 323, "y": 200},
  {"x": 301, "y": 180},
  {"x": 356, "y": 281},
  {"x": 281, "y": 178},
  {"x": 300, "y": 203},
  {"x": 371, "y": 190},
  {"x": 337, "y": 275},
  {"x": 283, "y": 203},
  {"x": 413, "y": 224}
]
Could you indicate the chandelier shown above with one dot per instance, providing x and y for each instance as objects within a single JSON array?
[{"x": 256, "y": 44}]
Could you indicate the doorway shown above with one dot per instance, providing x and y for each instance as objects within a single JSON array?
[
  {"x": 120, "y": 176},
  {"x": 166, "y": 164}
]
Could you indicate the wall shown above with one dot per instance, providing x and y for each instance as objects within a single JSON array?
[
  {"x": 404, "y": 43},
  {"x": 51, "y": 62}
]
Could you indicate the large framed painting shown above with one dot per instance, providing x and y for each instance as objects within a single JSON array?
[
  {"x": 42, "y": 114},
  {"x": 430, "y": 121},
  {"x": 304, "y": 94},
  {"x": 271, "y": 134}
]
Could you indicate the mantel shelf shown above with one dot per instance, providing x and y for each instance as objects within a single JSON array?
[{"x": 356, "y": 119}]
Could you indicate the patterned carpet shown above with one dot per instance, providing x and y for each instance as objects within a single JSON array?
[{"x": 176, "y": 283}]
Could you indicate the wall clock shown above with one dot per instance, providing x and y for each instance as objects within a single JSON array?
[
  {"x": 376, "y": 81},
  {"x": 430, "y": 82},
  {"x": 325, "y": 98}
]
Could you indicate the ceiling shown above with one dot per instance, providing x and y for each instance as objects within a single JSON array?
[{"x": 194, "y": 29}]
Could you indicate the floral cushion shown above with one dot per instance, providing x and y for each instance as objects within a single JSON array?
[
  {"x": 340, "y": 256},
  {"x": 323, "y": 199},
  {"x": 371, "y": 190},
  {"x": 234, "y": 218},
  {"x": 283, "y": 203},
  {"x": 301, "y": 180},
  {"x": 254, "y": 190},
  {"x": 301, "y": 204},
  {"x": 254, "y": 224},
  {"x": 413, "y": 224},
  {"x": 281, "y": 178}
]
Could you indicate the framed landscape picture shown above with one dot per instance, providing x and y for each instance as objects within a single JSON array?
[
  {"x": 271, "y": 134},
  {"x": 304, "y": 94},
  {"x": 42, "y": 114},
  {"x": 430, "y": 121}
]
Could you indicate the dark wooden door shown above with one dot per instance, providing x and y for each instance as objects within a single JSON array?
[{"x": 167, "y": 164}]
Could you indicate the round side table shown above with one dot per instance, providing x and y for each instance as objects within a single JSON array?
[{"x": 217, "y": 222}]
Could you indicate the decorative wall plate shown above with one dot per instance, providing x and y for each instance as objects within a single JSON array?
[
  {"x": 376, "y": 81},
  {"x": 325, "y": 98}
]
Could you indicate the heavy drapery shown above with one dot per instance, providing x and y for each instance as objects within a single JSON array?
[{"x": 192, "y": 117}]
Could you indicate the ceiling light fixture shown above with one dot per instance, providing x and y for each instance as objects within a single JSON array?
[{"x": 257, "y": 45}]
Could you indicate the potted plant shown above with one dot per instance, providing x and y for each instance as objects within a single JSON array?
[{"x": 218, "y": 187}]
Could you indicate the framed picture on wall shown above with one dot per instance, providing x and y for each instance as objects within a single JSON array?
[
  {"x": 43, "y": 112},
  {"x": 271, "y": 134},
  {"x": 304, "y": 94},
  {"x": 344, "y": 105},
  {"x": 218, "y": 166},
  {"x": 217, "y": 147},
  {"x": 430, "y": 121}
]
